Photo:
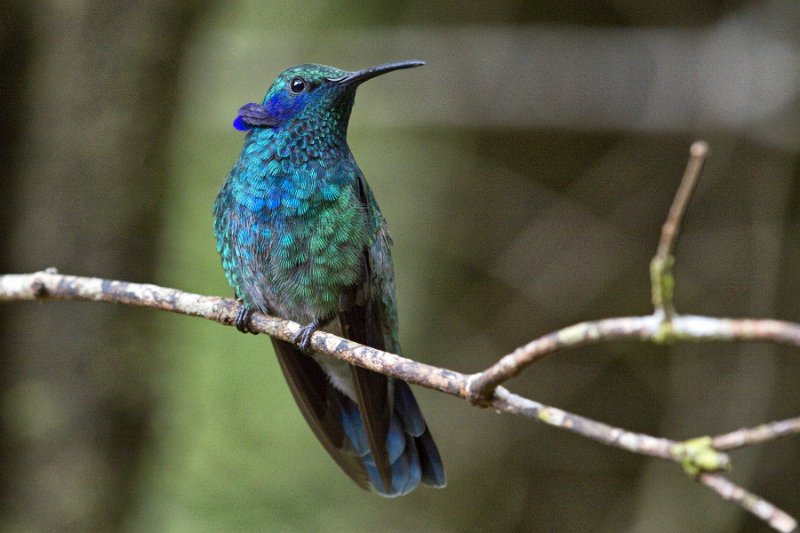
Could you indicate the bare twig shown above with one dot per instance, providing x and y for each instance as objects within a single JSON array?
[
  {"x": 640, "y": 443},
  {"x": 661, "y": 265},
  {"x": 730, "y": 491},
  {"x": 702, "y": 457},
  {"x": 658, "y": 328},
  {"x": 483, "y": 384},
  {"x": 698, "y": 153},
  {"x": 640, "y": 328},
  {"x": 48, "y": 285},
  {"x": 756, "y": 435},
  {"x": 696, "y": 455}
]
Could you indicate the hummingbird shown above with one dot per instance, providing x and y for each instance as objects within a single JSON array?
[{"x": 301, "y": 237}]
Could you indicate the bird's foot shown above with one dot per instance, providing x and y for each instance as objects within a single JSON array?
[
  {"x": 242, "y": 320},
  {"x": 303, "y": 339}
]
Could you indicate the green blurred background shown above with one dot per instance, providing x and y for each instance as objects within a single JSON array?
[{"x": 525, "y": 173}]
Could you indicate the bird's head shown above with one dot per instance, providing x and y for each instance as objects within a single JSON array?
[{"x": 311, "y": 92}]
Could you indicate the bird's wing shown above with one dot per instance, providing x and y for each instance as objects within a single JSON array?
[
  {"x": 362, "y": 320},
  {"x": 382, "y": 308},
  {"x": 322, "y": 406},
  {"x": 380, "y": 272}
]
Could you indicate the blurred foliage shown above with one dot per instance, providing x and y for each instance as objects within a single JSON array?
[{"x": 525, "y": 173}]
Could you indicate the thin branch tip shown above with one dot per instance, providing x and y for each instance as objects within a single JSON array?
[
  {"x": 661, "y": 278},
  {"x": 699, "y": 148}
]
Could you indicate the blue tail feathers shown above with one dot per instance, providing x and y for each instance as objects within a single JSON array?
[{"x": 412, "y": 452}]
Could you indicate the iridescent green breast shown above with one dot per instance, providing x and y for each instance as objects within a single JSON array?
[{"x": 291, "y": 231}]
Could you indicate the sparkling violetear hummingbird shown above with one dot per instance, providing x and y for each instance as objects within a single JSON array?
[{"x": 301, "y": 237}]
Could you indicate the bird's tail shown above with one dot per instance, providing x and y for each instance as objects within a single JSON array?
[
  {"x": 410, "y": 447},
  {"x": 336, "y": 421}
]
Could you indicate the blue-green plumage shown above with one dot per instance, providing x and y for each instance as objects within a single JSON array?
[{"x": 301, "y": 237}]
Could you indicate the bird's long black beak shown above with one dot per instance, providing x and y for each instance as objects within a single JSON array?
[{"x": 368, "y": 73}]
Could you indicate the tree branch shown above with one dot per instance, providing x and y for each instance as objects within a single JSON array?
[
  {"x": 762, "y": 433},
  {"x": 49, "y": 285},
  {"x": 702, "y": 457},
  {"x": 647, "y": 328},
  {"x": 777, "y": 519},
  {"x": 698, "y": 456},
  {"x": 661, "y": 277}
]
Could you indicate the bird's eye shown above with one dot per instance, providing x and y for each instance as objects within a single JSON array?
[{"x": 297, "y": 85}]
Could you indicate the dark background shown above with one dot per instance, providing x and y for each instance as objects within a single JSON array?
[{"x": 525, "y": 173}]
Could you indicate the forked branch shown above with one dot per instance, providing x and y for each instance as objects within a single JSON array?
[{"x": 703, "y": 458}]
